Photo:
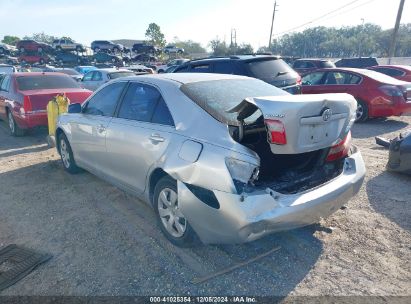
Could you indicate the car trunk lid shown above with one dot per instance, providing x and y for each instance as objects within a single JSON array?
[
  {"x": 37, "y": 100},
  {"x": 308, "y": 122}
]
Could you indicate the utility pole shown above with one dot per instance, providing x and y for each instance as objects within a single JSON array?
[
  {"x": 272, "y": 24},
  {"x": 391, "y": 52},
  {"x": 360, "y": 36}
]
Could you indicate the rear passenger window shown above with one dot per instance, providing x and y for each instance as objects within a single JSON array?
[
  {"x": 390, "y": 72},
  {"x": 104, "y": 102},
  {"x": 161, "y": 114},
  {"x": 139, "y": 102},
  {"x": 223, "y": 68},
  {"x": 201, "y": 68}
]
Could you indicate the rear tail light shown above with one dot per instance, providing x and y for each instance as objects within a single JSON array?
[
  {"x": 340, "y": 150},
  {"x": 276, "y": 132},
  {"x": 391, "y": 90},
  {"x": 27, "y": 104},
  {"x": 299, "y": 80}
]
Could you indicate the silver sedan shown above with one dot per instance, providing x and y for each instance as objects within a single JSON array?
[{"x": 220, "y": 158}]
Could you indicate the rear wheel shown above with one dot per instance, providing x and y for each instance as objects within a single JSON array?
[
  {"x": 361, "y": 114},
  {"x": 15, "y": 130},
  {"x": 66, "y": 155},
  {"x": 172, "y": 221}
]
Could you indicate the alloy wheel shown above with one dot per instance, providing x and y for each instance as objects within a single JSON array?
[
  {"x": 65, "y": 155},
  {"x": 171, "y": 217},
  {"x": 11, "y": 123},
  {"x": 359, "y": 112}
]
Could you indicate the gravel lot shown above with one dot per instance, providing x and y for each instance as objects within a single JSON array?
[{"x": 105, "y": 242}]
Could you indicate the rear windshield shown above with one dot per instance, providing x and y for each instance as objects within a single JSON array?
[
  {"x": 44, "y": 82},
  {"x": 269, "y": 69},
  {"x": 380, "y": 77},
  {"x": 217, "y": 96},
  {"x": 120, "y": 74},
  {"x": 6, "y": 69},
  {"x": 326, "y": 64}
]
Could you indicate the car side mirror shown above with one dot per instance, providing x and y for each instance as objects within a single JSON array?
[{"x": 74, "y": 108}]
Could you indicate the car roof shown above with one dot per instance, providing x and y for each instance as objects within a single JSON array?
[
  {"x": 405, "y": 67},
  {"x": 37, "y": 73},
  {"x": 311, "y": 59},
  {"x": 184, "y": 78}
]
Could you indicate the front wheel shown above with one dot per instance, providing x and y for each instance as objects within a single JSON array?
[
  {"x": 361, "y": 114},
  {"x": 66, "y": 155},
  {"x": 172, "y": 221},
  {"x": 15, "y": 130}
]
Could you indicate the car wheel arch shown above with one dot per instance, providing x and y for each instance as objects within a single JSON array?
[{"x": 155, "y": 176}]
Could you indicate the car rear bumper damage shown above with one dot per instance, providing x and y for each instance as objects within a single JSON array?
[{"x": 239, "y": 218}]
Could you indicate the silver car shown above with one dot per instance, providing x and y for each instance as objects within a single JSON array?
[
  {"x": 95, "y": 78},
  {"x": 222, "y": 158}
]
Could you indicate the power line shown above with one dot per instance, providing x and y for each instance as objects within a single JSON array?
[
  {"x": 349, "y": 10},
  {"x": 323, "y": 16}
]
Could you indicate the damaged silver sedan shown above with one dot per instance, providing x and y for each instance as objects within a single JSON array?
[{"x": 222, "y": 158}]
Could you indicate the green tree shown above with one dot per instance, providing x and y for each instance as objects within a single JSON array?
[
  {"x": 219, "y": 47},
  {"x": 154, "y": 34},
  {"x": 189, "y": 46},
  {"x": 11, "y": 40}
]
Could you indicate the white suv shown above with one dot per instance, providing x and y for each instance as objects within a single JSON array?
[{"x": 67, "y": 44}]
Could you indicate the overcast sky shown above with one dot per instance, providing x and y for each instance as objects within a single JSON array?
[{"x": 88, "y": 20}]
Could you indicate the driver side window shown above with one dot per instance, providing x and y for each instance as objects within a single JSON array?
[
  {"x": 88, "y": 76},
  {"x": 313, "y": 78},
  {"x": 104, "y": 102}
]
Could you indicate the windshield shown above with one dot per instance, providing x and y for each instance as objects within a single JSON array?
[
  {"x": 217, "y": 96},
  {"x": 44, "y": 82},
  {"x": 269, "y": 69},
  {"x": 120, "y": 74}
]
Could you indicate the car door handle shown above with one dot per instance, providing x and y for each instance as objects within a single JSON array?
[
  {"x": 156, "y": 138},
  {"x": 101, "y": 128}
]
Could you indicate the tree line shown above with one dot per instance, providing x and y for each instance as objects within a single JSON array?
[{"x": 360, "y": 40}]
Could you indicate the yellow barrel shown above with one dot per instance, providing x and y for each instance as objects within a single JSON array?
[{"x": 55, "y": 107}]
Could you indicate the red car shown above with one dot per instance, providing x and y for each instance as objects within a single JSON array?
[
  {"x": 307, "y": 65},
  {"x": 31, "y": 45},
  {"x": 33, "y": 58},
  {"x": 24, "y": 97},
  {"x": 401, "y": 72},
  {"x": 377, "y": 95}
]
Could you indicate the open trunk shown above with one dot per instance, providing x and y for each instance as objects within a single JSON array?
[{"x": 294, "y": 136}]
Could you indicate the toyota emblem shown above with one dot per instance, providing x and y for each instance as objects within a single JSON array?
[{"x": 327, "y": 113}]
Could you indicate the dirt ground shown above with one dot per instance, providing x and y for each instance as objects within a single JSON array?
[{"x": 105, "y": 242}]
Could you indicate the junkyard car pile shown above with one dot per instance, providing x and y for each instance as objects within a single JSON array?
[{"x": 221, "y": 158}]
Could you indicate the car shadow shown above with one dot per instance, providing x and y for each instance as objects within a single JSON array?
[
  {"x": 284, "y": 269},
  {"x": 393, "y": 204},
  {"x": 377, "y": 126},
  {"x": 10, "y": 143}
]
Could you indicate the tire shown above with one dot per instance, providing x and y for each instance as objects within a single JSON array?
[
  {"x": 66, "y": 155},
  {"x": 15, "y": 130},
  {"x": 165, "y": 198},
  {"x": 361, "y": 112},
  {"x": 2, "y": 51},
  {"x": 79, "y": 49}
]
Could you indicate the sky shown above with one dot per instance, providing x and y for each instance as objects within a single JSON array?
[{"x": 201, "y": 21}]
